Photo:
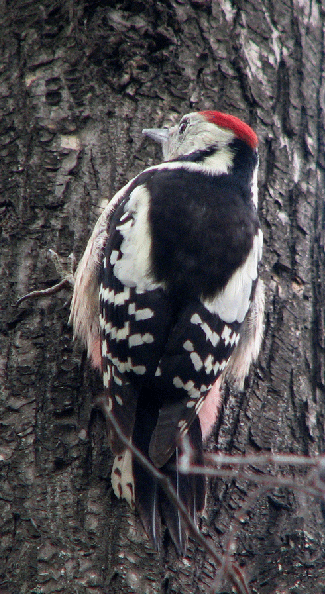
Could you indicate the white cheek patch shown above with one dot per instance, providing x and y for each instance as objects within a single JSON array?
[{"x": 233, "y": 302}]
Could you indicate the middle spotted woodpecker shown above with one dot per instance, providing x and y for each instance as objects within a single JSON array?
[{"x": 168, "y": 301}]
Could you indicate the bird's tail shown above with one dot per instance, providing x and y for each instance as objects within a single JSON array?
[
  {"x": 131, "y": 481},
  {"x": 153, "y": 503}
]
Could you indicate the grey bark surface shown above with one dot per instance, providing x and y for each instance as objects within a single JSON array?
[{"x": 78, "y": 82}]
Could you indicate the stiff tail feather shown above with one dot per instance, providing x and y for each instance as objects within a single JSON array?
[
  {"x": 154, "y": 505},
  {"x": 131, "y": 481}
]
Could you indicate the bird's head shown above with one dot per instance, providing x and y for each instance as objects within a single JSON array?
[{"x": 200, "y": 131}]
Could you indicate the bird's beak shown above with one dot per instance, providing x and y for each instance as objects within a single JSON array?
[{"x": 158, "y": 134}]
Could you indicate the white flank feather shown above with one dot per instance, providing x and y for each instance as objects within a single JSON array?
[{"x": 233, "y": 302}]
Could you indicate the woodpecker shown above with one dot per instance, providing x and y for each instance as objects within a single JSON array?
[{"x": 167, "y": 299}]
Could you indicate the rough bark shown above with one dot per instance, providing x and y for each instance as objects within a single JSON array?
[{"x": 78, "y": 82}]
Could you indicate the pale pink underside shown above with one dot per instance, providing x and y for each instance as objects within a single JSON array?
[{"x": 210, "y": 409}]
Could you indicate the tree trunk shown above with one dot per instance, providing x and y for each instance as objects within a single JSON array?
[{"x": 79, "y": 80}]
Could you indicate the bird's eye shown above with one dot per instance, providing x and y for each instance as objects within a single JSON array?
[{"x": 182, "y": 127}]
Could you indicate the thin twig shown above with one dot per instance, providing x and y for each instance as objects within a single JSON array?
[
  {"x": 312, "y": 488},
  {"x": 66, "y": 275},
  {"x": 233, "y": 467},
  {"x": 288, "y": 459},
  {"x": 43, "y": 292}
]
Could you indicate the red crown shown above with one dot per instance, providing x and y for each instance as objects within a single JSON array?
[{"x": 239, "y": 128}]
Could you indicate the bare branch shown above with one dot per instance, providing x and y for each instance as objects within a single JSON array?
[
  {"x": 64, "y": 283},
  {"x": 312, "y": 484},
  {"x": 291, "y": 459},
  {"x": 233, "y": 467},
  {"x": 66, "y": 273}
]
